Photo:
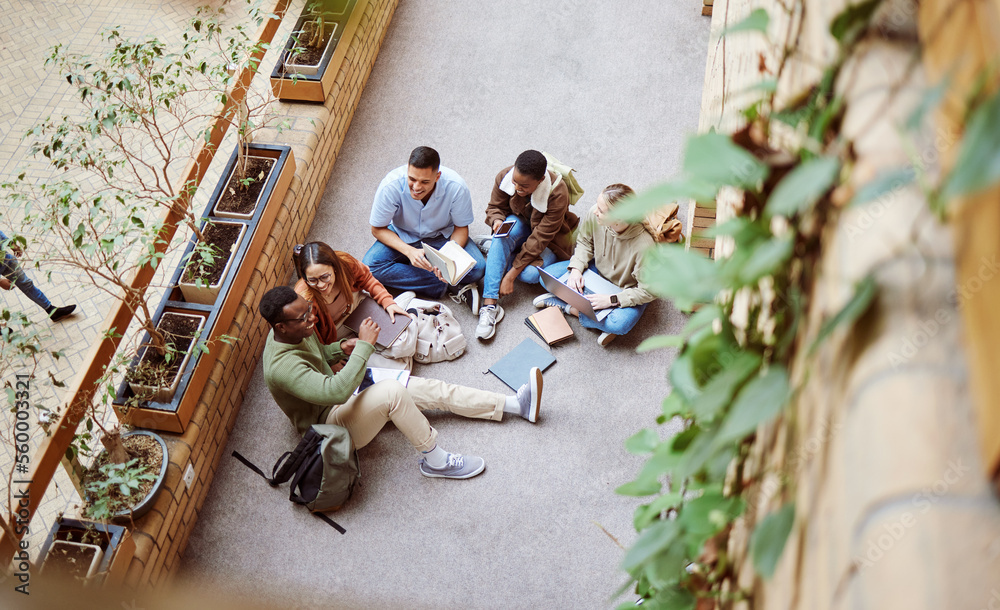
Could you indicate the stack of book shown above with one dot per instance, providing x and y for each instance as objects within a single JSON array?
[
  {"x": 550, "y": 325},
  {"x": 706, "y": 8}
]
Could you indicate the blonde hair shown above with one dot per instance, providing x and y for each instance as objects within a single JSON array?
[{"x": 613, "y": 193}]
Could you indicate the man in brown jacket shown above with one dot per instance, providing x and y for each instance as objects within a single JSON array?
[{"x": 536, "y": 201}]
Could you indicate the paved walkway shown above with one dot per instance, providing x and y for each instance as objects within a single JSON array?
[
  {"x": 29, "y": 93},
  {"x": 612, "y": 88}
]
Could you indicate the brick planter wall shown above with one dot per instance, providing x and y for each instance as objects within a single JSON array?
[{"x": 316, "y": 134}]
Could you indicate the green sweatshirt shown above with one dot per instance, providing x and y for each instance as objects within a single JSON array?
[{"x": 303, "y": 384}]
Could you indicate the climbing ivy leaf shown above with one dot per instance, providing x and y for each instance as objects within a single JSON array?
[
  {"x": 642, "y": 442},
  {"x": 886, "y": 182},
  {"x": 635, "y": 208},
  {"x": 756, "y": 21},
  {"x": 978, "y": 162},
  {"x": 685, "y": 276},
  {"x": 759, "y": 401},
  {"x": 803, "y": 186},
  {"x": 768, "y": 258},
  {"x": 656, "y": 538},
  {"x": 720, "y": 389},
  {"x": 768, "y": 539},
  {"x": 864, "y": 292},
  {"x": 659, "y": 342},
  {"x": 852, "y": 21},
  {"x": 715, "y": 159}
]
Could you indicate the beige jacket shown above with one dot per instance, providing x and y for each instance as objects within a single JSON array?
[{"x": 617, "y": 257}]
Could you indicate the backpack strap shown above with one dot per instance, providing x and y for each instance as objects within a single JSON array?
[
  {"x": 331, "y": 523},
  {"x": 251, "y": 466},
  {"x": 307, "y": 465},
  {"x": 289, "y": 462}
]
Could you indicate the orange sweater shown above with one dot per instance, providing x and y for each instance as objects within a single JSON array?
[{"x": 361, "y": 279}]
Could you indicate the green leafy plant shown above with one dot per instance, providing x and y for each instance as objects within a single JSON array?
[{"x": 110, "y": 489}]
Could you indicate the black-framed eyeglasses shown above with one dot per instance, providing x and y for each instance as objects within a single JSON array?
[
  {"x": 325, "y": 278},
  {"x": 303, "y": 317}
]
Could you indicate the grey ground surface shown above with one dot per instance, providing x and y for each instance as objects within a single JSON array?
[{"x": 612, "y": 88}]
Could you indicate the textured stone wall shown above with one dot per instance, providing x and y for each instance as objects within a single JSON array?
[
  {"x": 894, "y": 508},
  {"x": 315, "y": 133}
]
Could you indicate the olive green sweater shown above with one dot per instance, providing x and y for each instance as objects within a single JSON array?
[
  {"x": 618, "y": 257},
  {"x": 303, "y": 384}
]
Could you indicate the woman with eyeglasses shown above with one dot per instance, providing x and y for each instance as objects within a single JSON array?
[{"x": 333, "y": 282}]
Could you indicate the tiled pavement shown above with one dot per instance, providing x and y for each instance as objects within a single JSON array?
[{"x": 28, "y": 93}]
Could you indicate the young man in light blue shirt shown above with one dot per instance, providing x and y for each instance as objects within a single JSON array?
[{"x": 422, "y": 202}]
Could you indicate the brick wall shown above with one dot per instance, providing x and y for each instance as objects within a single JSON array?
[{"x": 316, "y": 133}]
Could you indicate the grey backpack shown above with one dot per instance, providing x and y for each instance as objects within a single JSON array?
[{"x": 323, "y": 468}]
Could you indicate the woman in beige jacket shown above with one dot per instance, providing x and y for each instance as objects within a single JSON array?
[{"x": 614, "y": 249}]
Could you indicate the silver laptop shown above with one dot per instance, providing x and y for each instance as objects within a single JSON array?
[{"x": 594, "y": 284}]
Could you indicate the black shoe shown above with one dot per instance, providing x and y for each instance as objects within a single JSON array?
[{"x": 58, "y": 313}]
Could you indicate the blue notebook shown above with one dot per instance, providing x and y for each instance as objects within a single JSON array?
[{"x": 513, "y": 368}]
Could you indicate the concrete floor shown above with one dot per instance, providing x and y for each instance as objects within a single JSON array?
[{"x": 611, "y": 88}]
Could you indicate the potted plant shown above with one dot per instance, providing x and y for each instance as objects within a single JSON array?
[
  {"x": 76, "y": 560},
  {"x": 114, "y": 542},
  {"x": 321, "y": 35},
  {"x": 209, "y": 263},
  {"x": 125, "y": 488},
  {"x": 313, "y": 39}
]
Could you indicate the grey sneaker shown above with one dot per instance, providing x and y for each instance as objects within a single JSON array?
[
  {"x": 483, "y": 242},
  {"x": 529, "y": 396},
  {"x": 550, "y": 300},
  {"x": 458, "y": 467},
  {"x": 468, "y": 293},
  {"x": 489, "y": 315}
]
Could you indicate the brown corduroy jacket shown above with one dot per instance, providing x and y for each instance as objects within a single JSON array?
[{"x": 552, "y": 229}]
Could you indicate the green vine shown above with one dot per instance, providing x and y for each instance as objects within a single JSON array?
[{"x": 730, "y": 376}]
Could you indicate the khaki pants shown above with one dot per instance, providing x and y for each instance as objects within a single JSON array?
[{"x": 367, "y": 412}]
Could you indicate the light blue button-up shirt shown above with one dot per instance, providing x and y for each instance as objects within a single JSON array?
[{"x": 449, "y": 206}]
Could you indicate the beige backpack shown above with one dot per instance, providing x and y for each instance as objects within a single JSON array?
[{"x": 439, "y": 335}]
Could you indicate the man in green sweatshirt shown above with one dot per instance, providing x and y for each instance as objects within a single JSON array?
[{"x": 298, "y": 374}]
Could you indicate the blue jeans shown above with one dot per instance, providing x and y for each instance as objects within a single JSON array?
[
  {"x": 394, "y": 270},
  {"x": 499, "y": 259},
  {"x": 11, "y": 270},
  {"x": 618, "y": 322}
]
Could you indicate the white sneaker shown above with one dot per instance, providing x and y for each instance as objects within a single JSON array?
[
  {"x": 489, "y": 315},
  {"x": 550, "y": 300},
  {"x": 605, "y": 339}
]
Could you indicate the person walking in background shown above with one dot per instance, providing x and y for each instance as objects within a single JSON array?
[
  {"x": 422, "y": 201},
  {"x": 536, "y": 200},
  {"x": 613, "y": 249},
  {"x": 11, "y": 275}
]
